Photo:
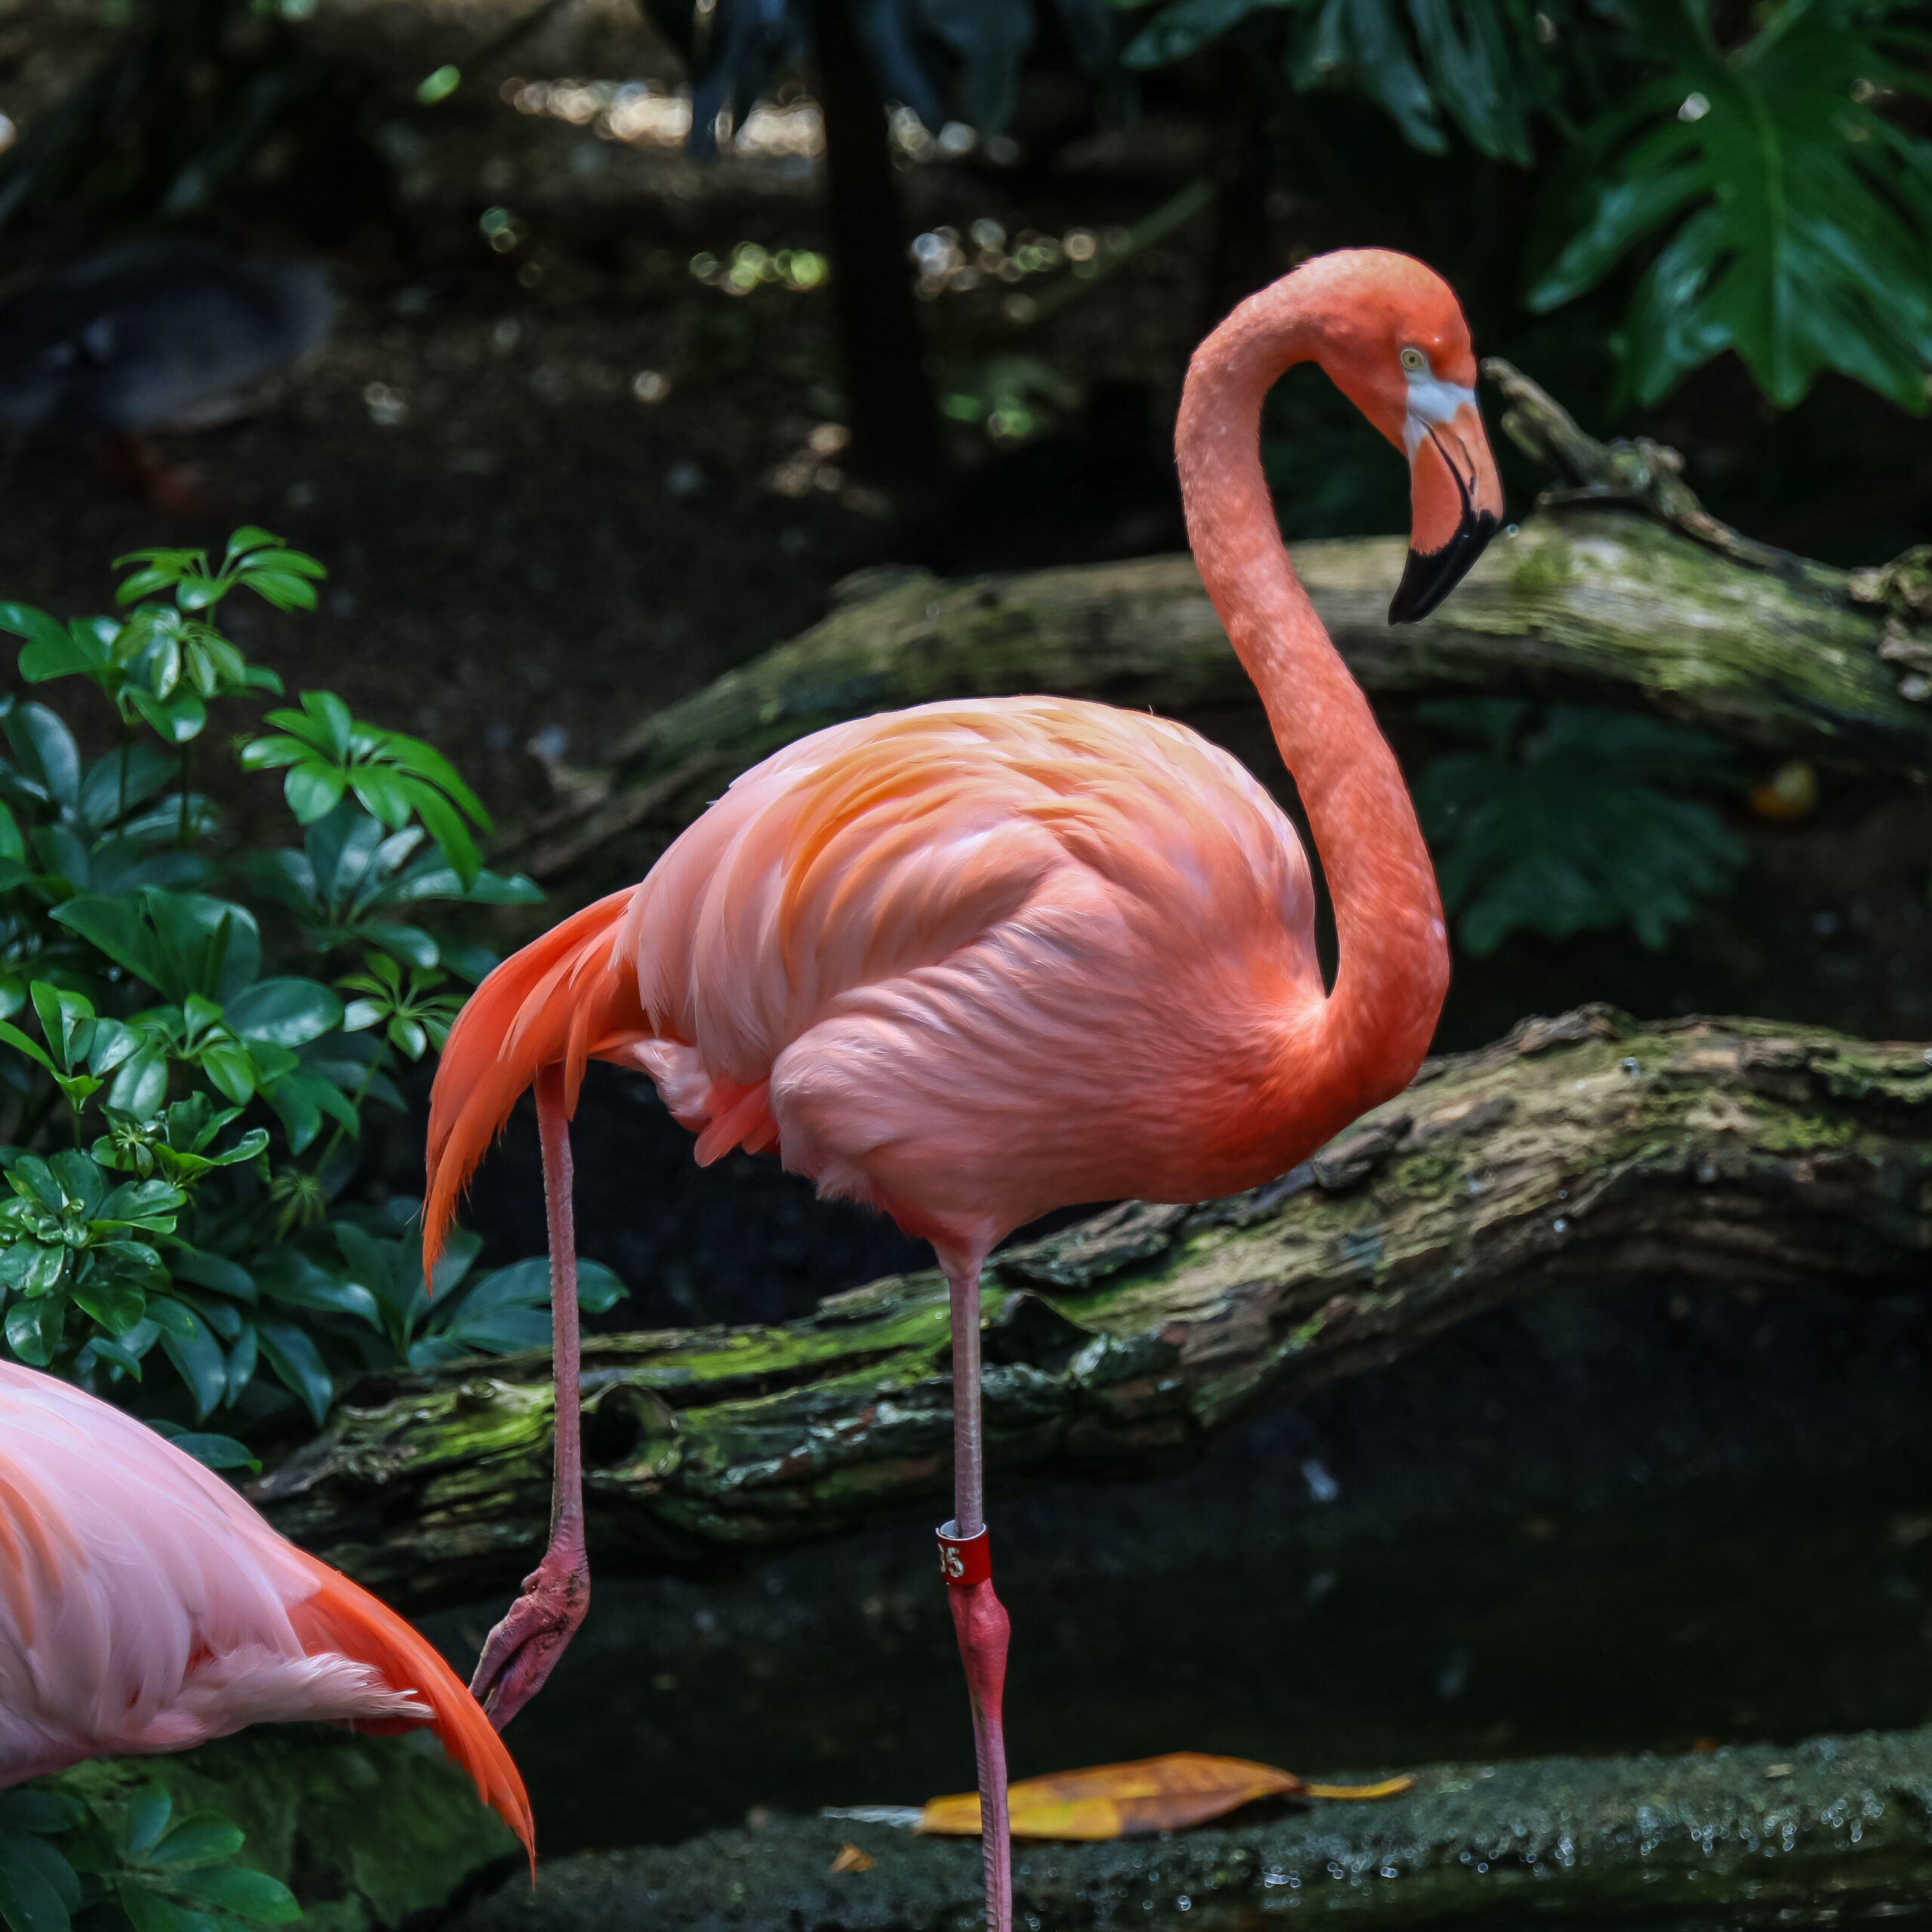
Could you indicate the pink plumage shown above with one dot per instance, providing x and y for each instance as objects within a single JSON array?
[
  {"x": 975, "y": 960},
  {"x": 144, "y": 1606}
]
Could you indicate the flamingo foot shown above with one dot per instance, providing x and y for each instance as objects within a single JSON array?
[
  {"x": 524, "y": 1648},
  {"x": 980, "y": 1620}
]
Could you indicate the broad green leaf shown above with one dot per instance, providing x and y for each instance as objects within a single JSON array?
[
  {"x": 175, "y": 720},
  {"x": 331, "y": 716},
  {"x": 81, "y": 1180},
  {"x": 28, "y": 1268},
  {"x": 272, "y": 754},
  {"x": 226, "y": 1062},
  {"x": 217, "y": 1271},
  {"x": 242, "y": 1358},
  {"x": 148, "y": 1911},
  {"x": 34, "y": 1328},
  {"x": 66, "y": 1021},
  {"x": 441, "y": 821},
  {"x": 249, "y": 1895},
  {"x": 287, "y": 1275},
  {"x": 120, "y": 781},
  {"x": 25, "y": 1809},
  {"x": 390, "y": 795},
  {"x": 115, "y": 927},
  {"x": 114, "y": 1305},
  {"x": 410, "y": 943},
  {"x": 287, "y": 1011},
  {"x": 249, "y": 536},
  {"x": 286, "y": 592},
  {"x": 312, "y": 790},
  {"x": 145, "y": 1204},
  {"x": 202, "y": 1838},
  {"x": 45, "y": 750},
  {"x": 149, "y": 1811},
  {"x": 33, "y": 1180},
  {"x": 424, "y": 761},
  {"x": 1796, "y": 217},
  {"x": 1572, "y": 831},
  {"x": 38, "y": 1886},
  {"x": 192, "y": 1347},
  {"x": 141, "y": 1084},
  {"x": 298, "y": 1363},
  {"x": 35, "y": 626},
  {"x": 11, "y": 1035}
]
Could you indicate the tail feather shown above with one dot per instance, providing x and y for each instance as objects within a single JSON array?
[
  {"x": 565, "y": 998},
  {"x": 345, "y": 1620}
]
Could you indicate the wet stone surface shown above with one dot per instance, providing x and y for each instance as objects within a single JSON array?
[{"x": 1835, "y": 1825}]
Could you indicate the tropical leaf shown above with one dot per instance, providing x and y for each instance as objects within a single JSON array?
[
  {"x": 1138, "y": 1799},
  {"x": 1567, "y": 828},
  {"x": 1794, "y": 216},
  {"x": 1483, "y": 63}
]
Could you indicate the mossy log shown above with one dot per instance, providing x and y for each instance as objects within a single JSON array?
[
  {"x": 1726, "y": 1152},
  {"x": 1591, "y": 603},
  {"x": 1755, "y": 1834}
]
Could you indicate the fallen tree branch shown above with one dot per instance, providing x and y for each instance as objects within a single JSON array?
[
  {"x": 1727, "y": 1152},
  {"x": 1622, "y": 589}
]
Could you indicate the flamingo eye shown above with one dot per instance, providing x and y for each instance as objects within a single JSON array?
[{"x": 1414, "y": 362}]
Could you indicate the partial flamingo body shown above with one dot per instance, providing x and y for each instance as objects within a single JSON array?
[
  {"x": 975, "y": 960},
  {"x": 144, "y": 1606}
]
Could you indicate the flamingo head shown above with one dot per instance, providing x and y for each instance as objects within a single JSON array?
[{"x": 1397, "y": 346}]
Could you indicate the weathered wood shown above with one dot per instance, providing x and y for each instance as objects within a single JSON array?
[
  {"x": 1591, "y": 603},
  {"x": 1724, "y": 1152}
]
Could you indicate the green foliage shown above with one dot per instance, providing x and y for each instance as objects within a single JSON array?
[
  {"x": 1564, "y": 828},
  {"x": 1761, "y": 183},
  {"x": 130, "y": 1865},
  {"x": 327, "y": 751},
  {"x": 183, "y": 1083},
  {"x": 1798, "y": 215},
  {"x": 1479, "y": 62}
]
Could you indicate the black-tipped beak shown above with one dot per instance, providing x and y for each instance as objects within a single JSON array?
[{"x": 1428, "y": 579}]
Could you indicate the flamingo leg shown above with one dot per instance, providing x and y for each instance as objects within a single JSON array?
[
  {"x": 979, "y": 1618},
  {"x": 522, "y": 1650}
]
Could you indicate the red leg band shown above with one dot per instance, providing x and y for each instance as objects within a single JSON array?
[{"x": 965, "y": 1560}]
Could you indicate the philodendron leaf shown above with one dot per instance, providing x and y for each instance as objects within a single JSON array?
[{"x": 1794, "y": 213}]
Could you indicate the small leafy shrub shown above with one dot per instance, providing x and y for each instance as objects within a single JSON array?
[
  {"x": 131, "y": 1865},
  {"x": 1565, "y": 828},
  {"x": 182, "y": 1081}
]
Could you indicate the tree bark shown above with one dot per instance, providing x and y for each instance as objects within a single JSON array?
[
  {"x": 895, "y": 425},
  {"x": 1719, "y": 1152},
  {"x": 1590, "y": 603}
]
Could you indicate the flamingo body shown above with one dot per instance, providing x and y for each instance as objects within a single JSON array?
[
  {"x": 973, "y": 961},
  {"x": 966, "y": 963},
  {"x": 144, "y": 1606}
]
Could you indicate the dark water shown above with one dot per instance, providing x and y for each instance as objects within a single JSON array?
[{"x": 1597, "y": 1524}]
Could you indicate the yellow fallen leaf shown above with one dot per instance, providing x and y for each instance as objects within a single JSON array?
[
  {"x": 1165, "y": 1793},
  {"x": 851, "y": 1859}
]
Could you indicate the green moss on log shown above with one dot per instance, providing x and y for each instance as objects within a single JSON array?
[
  {"x": 1724, "y": 1152},
  {"x": 1598, "y": 603}
]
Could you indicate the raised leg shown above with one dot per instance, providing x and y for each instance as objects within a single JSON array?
[
  {"x": 978, "y": 1616},
  {"x": 521, "y": 1650}
]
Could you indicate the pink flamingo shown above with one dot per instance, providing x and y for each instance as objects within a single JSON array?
[
  {"x": 975, "y": 960},
  {"x": 145, "y": 1607}
]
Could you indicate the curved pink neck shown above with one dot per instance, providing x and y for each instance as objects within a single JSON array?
[{"x": 1375, "y": 1026}]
